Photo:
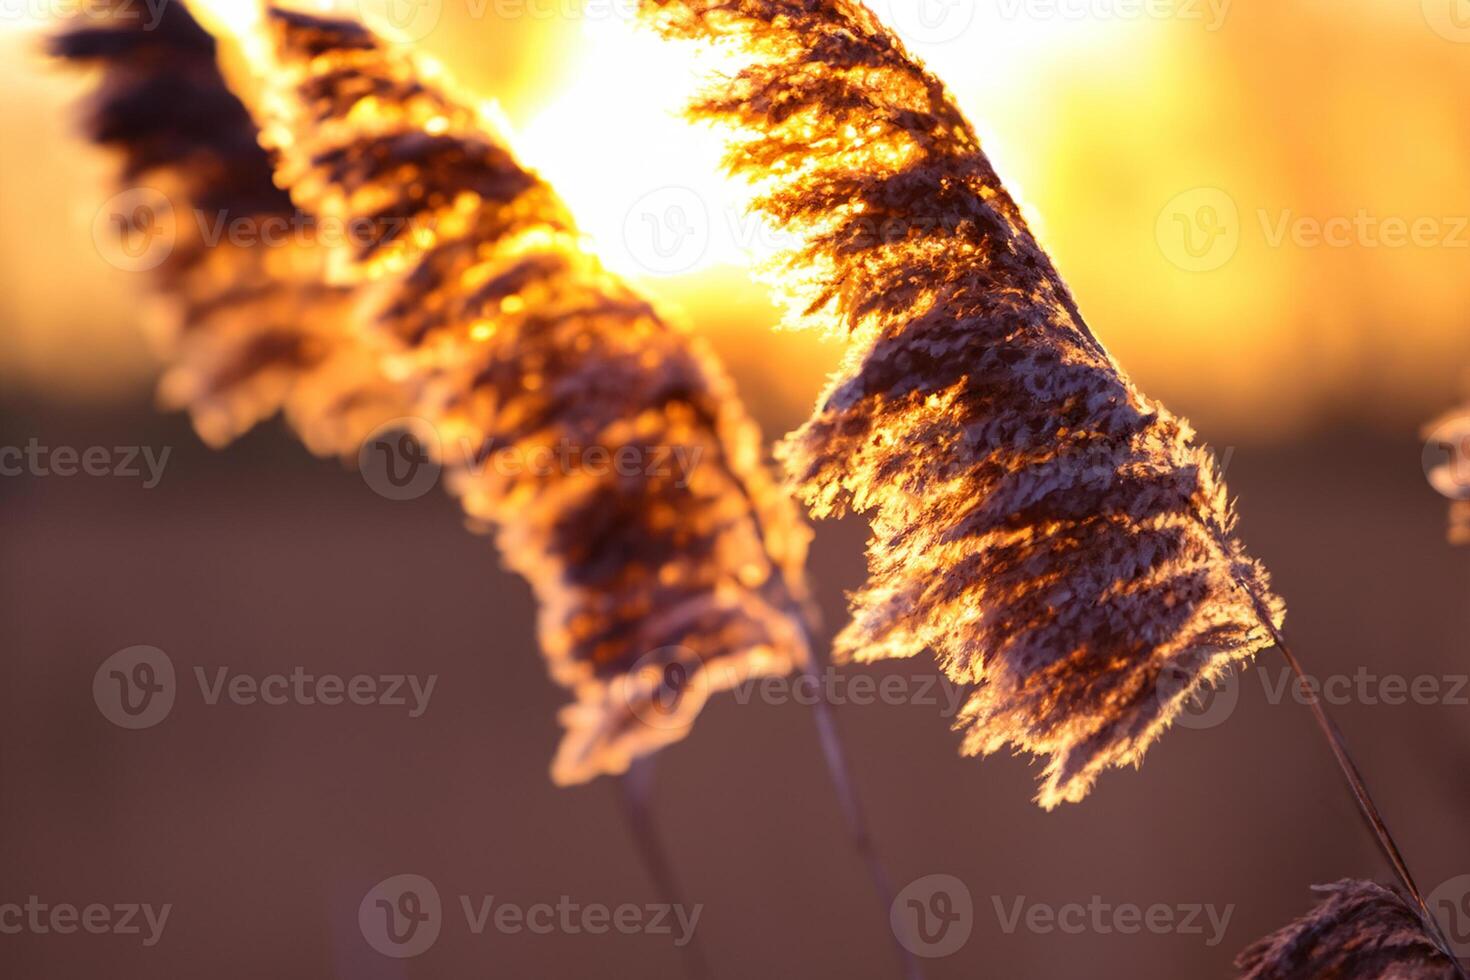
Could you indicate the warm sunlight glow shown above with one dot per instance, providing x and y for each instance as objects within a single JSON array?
[
  {"x": 1120, "y": 133},
  {"x": 644, "y": 185}
]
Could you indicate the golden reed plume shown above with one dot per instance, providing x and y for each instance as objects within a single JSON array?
[
  {"x": 1452, "y": 433},
  {"x": 1055, "y": 537},
  {"x": 1360, "y": 931},
  {"x": 674, "y": 572},
  {"x": 247, "y": 329}
]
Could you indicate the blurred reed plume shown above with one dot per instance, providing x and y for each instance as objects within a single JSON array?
[
  {"x": 247, "y": 329},
  {"x": 1450, "y": 477},
  {"x": 1360, "y": 931},
  {"x": 1054, "y": 536},
  {"x": 659, "y": 582}
]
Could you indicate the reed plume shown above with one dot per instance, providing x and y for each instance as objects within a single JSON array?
[
  {"x": 658, "y": 583},
  {"x": 247, "y": 330},
  {"x": 1450, "y": 477},
  {"x": 1360, "y": 931},
  {"x": 1054, "y": 536}
]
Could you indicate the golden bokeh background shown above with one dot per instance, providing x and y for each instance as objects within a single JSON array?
[{"x": 1264, "y": 208}]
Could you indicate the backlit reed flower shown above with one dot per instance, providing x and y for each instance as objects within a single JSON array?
[
  {"x": 1055, "y": 537},
  {"x": 1451, "y": 476},
  {"x": 1360, "y": 931},
  {"x": 659, "y": 582},
  {"x": 247, "y": 328}
]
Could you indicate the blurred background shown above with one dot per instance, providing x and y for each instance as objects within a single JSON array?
[{"x": 1262, "y": 207}]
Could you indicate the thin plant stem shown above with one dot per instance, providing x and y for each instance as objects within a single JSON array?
[
  {"x": 636, "y": 789},
  {"x": 1359, "y": 788},
  {"x": 852, "y": 808}
]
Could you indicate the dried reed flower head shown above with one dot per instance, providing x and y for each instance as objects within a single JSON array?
[
  {"x": 683, "y": 570},
  {"x": 1054, "y": 536},
  {"x": 248, "y": 328},
  {"x": 1360, "y": 931},
  {"x": 1450, "y": 477}
]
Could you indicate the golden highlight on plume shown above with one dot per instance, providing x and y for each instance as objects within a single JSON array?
[
  {"x": 1058, "y": 539},
  {"x": 1360, "y": 931},
  {"x": 247, "y": 328},
  {"x": 659, "y": 583},
  {"x": 1450, "y": 477}
]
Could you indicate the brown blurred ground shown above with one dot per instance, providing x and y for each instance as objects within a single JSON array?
[{"x": 265, "y": 826}]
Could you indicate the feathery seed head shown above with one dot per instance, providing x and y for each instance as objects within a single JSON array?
[
  {"x": 685, "y": 571},
  {"x": 1055, "y": 537},
  {"x": 250, "y": 328},
  {"x": 1360, "y": 931}
]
